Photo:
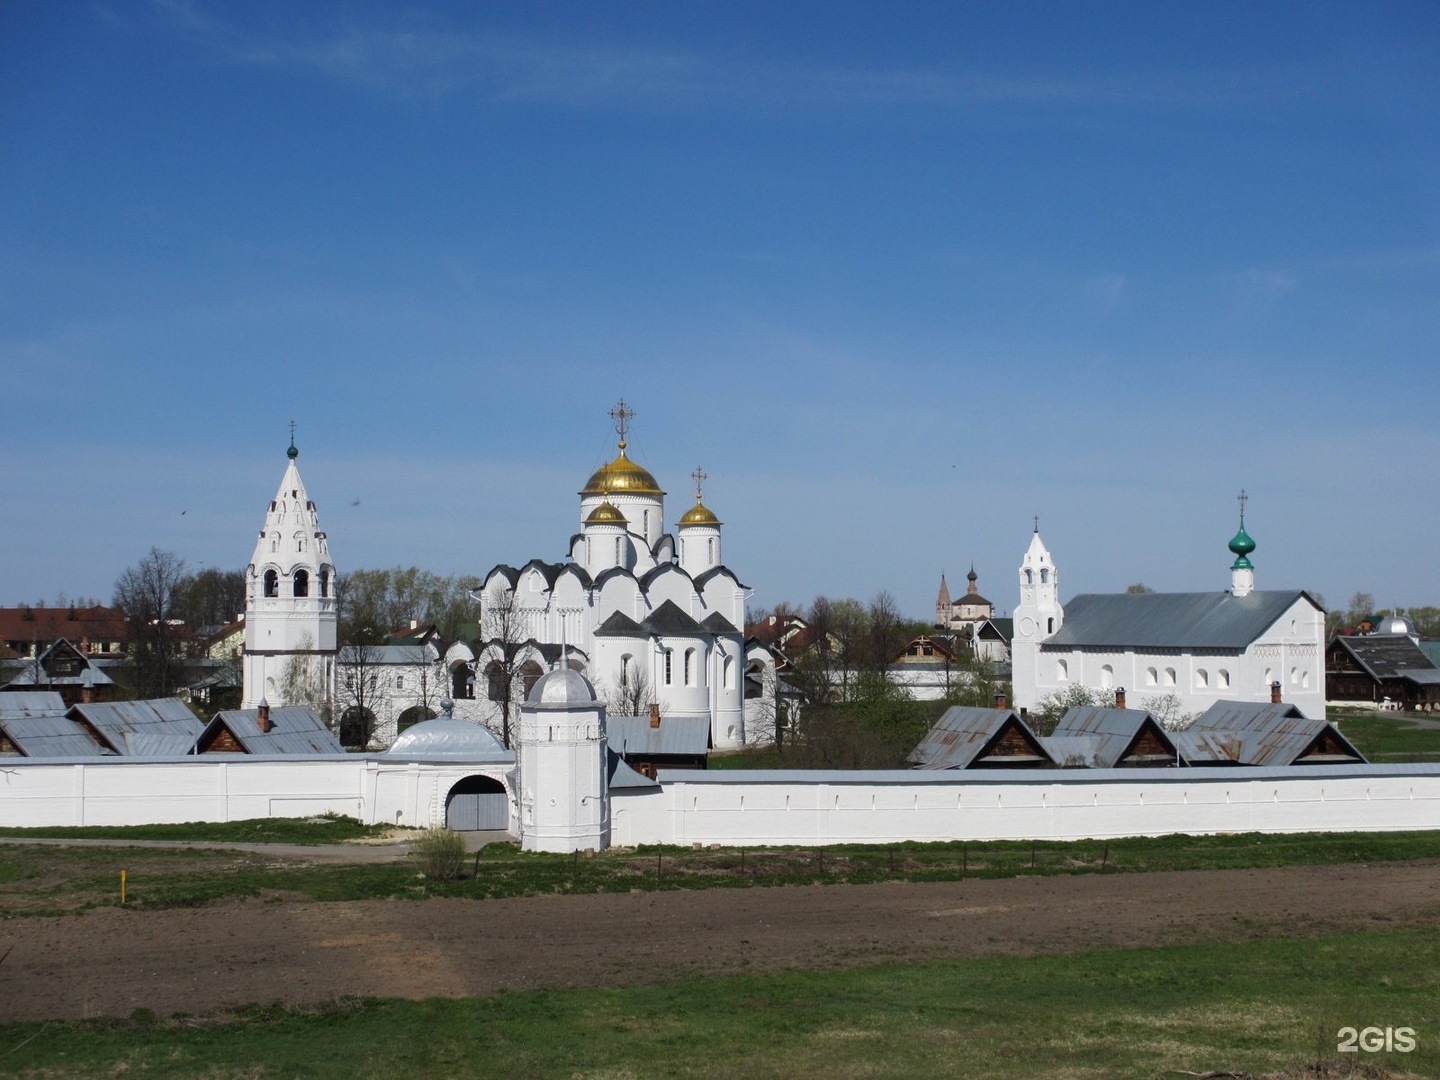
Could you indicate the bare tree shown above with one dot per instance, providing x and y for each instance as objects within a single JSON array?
[
  {"x": 504, "y": 631},
  {"x": 358, "y": 687},
  {"x": 148, "y": 593},
  {"x": 630, "y": 694},
  {"x": 303, "y": 681}
]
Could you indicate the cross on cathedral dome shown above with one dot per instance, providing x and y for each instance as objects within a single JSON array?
[{"x": 621, "y": 476}]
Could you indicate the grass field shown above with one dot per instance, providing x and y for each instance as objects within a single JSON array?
[
  {"x": 1388, "y": 737},
  {"x": 328, "y": 829},
  {"x": 48, "y": 880},
  {"x": 1265, "y": 1008}
]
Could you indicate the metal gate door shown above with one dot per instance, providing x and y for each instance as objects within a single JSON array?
[{"x": 483, "y": 810}]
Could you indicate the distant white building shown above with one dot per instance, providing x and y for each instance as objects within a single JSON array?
[
  {"x": 1190, "y": 649},
  {"x": 290, "y": 609}
]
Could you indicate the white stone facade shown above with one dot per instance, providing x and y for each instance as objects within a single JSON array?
[{"x": 290, "y": 610}]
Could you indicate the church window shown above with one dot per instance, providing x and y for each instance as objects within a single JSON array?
[
  {"x": 302, "y": 583},
  {"x": 1222, "y": 679},
  {"x": 272, "y": 583},
  {"x": 625, "y": 662},
  {"x": 374, "y": 682},
  {"x": 729, "y": 673},
  {"x": 1294, "y": 676},
  {"x": 1169, "y": 676},
  {"x": 1107, "y": 677},
  {"x": 530, "y": 673},
  {"x": 462, "y": 682},
  {"x": 1045, "y": 576},
  {"x": 1062, "y": 671},
  {"x": 1050, "y": 625},
  {"x": 324, "y": 582},
  {"x": 1152, "y": 677},
  {"x": 349, "y": 681},
  {"x": 1305, "y": 680},
  {"x": 1029, "y": 577},
  {"x": 399, "y": 682},
  {"x": 646, "y": 519},
  {"x": 669, "y": 662},
  {"x": 1202, "y": 679},
  {"x": 495, "y": 681},
  {"x": 274, "y": 541},
  {"x": 619, "y": 551},
  {"x": 710, "y": 549}
]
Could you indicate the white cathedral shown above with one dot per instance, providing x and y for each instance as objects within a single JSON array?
[
  {"x": 653, "y": 618},
  {"x": 1177, "y": 652}
]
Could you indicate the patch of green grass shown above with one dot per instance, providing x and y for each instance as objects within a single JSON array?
[
  {"x": 1389, "y": 737},
  {"x": 327, "y": 829},
  {"x": 1263, "y": 1007},
  {"x": 55, "y": 880}
]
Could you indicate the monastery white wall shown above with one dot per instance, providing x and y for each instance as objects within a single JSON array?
[
  {"x": 140, "y": 792},
  {"x": 753, "y": 808}
]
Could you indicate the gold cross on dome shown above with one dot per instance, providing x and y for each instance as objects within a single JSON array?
[
  {"x": 699, "y": 476},
  {"x": 622, "y": 414}
]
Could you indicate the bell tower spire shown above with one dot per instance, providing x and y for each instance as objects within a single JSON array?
[
  {"x": 1242, "y": 570},
  {"x": 290, "y": 612}
]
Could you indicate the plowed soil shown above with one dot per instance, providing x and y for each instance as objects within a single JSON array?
[{"x": 112, "y": 961}]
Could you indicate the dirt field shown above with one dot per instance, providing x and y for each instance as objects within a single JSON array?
[{"x": 110, "y": 961}]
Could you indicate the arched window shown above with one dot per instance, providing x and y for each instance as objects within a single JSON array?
[
  {"x": 325, "y": 582},
  {"x": 710, "y": 549},
  {"x": 1050, "y": 625},
  {"x": 728, "y": 673},
  {"x": 1107, "y": 677},
  {"x": 399, "y": 682},
  {"x": 462, "y": 682},
  {"x": 299, "y": 541},
  {"x": 1029, "y": 577},
  {"x": 689, "y": 667},
  {"x": 646, "y": 519},
  {"x": 1045, "y": 575},
  {"x": 619, "y": 551},
  {"x": 1222, "y": 679},
  {"x": 530, "y": 673},
  {"x": 625, "y": 675},
  {"x": 1169, "y": 676},
  {"x": 669, "y": 666},
  {"x": 1202, "y": 679},
  {"x": 1151, "y": 676},
  {"x": 274, "y": 541},
  {"x": 1062, "y": 671},
  {"x": 302, "y": 583},
  {"x": 495, "y": 681},
  {"x": 272, "y": 583}
]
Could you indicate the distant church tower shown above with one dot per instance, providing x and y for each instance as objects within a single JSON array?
[
  {"x": 1037, "y": 618},
  {"x": 290, "y": 612},
  {"x": 1242, "y": 570}
]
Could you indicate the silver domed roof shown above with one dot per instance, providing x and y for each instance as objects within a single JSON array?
[
  {"x": 1395, "y": 624},
  {"x": 563, "y": 686},
  {"x": 445, "y": 737}
]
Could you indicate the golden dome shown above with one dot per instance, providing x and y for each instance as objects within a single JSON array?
[
  {"x": 621, "y": 477},
  {"x": 606, "y": 514},
  {"x": 699, "y": 514}
]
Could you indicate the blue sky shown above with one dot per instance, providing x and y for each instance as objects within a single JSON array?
[{"x": 899, "y": 277}]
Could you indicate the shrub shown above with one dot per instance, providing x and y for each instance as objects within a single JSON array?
[{"x": 440, "y": 853}]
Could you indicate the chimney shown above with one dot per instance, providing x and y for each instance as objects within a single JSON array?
[
  {"x": 1119, "y": 697},
  {"x": 87, "y": 688},
  {"x": 1000, "y": 700},
  {"x": 262, "y": 716},
  {"x": 654, "y": 714},
  {"x": 1275, "y": 692}
]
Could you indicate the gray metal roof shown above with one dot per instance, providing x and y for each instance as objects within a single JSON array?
[
  {"x": 964, "y": 732},
  {"x": 680, "y": 735},
  {"x": 988, "y": 777},
  {"x": 15, "y": 703},
  {"x": 1111, "y": 731},
  {"x": 1421, "y": 677},
  {"x": 1256, "y": 733},
  {"x": 368, "y": 655},
  {"x": 1072, "y": 751},
  {"x": 117, "y": 719},
  {"x": 619, "y": 775},
  {"x": 294, "y": 729},
  {"x": 49, "y": 735},
  {"x": 1171, "y": 620},
  {"x": 451, "y": 739}
]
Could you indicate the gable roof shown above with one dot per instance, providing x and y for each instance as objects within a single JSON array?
[
  {"x": 968, "y": 735},
  {"x": 668, "y": 620},
  {"x": 678, "y": 735},
  {"x": 294, "y": 729},
  {"x": 22, "y": 703},
  {"x": 1385, "y": 656},
  {"x": 166, "y": 722},
  {"x": 1111, "y": 734},
  {"x": 1172, "y": 620},
  {"x": 39, "y": 735},
  {"x": 1262, "y": 733},
  {"x": 53, "y": 660}
]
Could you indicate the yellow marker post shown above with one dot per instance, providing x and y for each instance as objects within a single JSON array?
[{"x": 122, "y": 887}]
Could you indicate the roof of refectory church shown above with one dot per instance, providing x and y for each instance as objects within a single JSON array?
[{"x": 1217, "y": 620}]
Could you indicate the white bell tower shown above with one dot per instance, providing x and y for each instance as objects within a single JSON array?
[
  {"x": 1038, "y": 616},
  {"x": 290, "y": 610}
]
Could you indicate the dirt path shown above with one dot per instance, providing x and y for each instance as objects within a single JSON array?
[{"x": 110, "y": 962}]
